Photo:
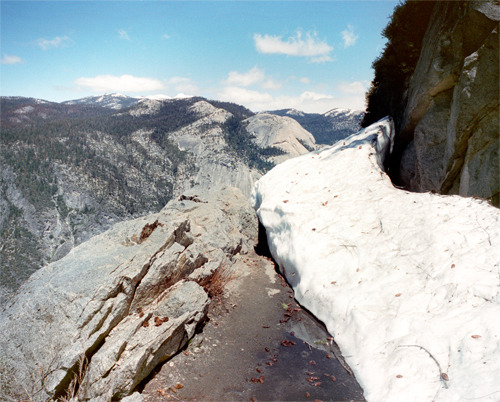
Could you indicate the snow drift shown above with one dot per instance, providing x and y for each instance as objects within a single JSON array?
[{"x": 407, "y": 283}]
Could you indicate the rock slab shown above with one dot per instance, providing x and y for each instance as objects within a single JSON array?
[{"x": 98, "y": 321}]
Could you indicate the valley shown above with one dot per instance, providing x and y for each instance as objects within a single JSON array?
[{"x": 71, "y": 170}]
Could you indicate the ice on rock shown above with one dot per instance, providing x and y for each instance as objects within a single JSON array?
[{"x": 407, "y": 283}]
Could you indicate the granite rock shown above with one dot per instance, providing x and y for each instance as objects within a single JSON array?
[{"x": 115, "y": 307}]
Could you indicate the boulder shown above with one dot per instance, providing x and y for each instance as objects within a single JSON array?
[
  {"x": 99, "y": 320},
  {"x": 452, "y": 116}
]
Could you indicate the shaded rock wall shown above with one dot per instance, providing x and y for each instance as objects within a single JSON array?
[{"x": 451, "y": 122}]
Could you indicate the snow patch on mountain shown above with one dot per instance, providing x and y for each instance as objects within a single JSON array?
[
  {"x": 156, "y": 97},
  {"x": 408, "y": 283},
  {"x": 113, "y": 101},
  {"x": 338, "y": 112},
  {"x": 25, "y": 109},
  {"x": 295, "y": 112},
  {"x": 183, "y": 96}
]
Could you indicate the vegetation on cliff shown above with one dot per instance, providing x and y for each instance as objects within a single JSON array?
[
  {"x": 240, "y": 143},
  {"x": 394, "y": 67}
]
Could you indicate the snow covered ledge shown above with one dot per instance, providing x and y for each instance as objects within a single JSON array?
[{"x": 407, "y": 283}]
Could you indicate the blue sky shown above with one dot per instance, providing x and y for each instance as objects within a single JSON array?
[{"x": 312, "y": 56}]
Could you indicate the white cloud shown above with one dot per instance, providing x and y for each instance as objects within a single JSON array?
[
  {"x": 11, "y": 59},
  {"x": 123, "y": 83},
  {"x": 320, "y": 59},
  {"x": 255, "y": 76},
  {"x": 271, "y": 84},
  {"x": 57, "y": 42},
  {"x": 309, "y": 46},
  {"x": 122, "y": 34},
  {"x": 251, "y": 77},
  {"x": 184, "y": 85},
  {"x": 244, "y": 96},
  {"x": 166, "y": 36},
  {"x": 144, "y": 85},
  {"x": 354, "y": 88},
  {"x": 305, "y": 80},
  {"x": 349, "y": 36},
  {"x": 308, "y": 101}
]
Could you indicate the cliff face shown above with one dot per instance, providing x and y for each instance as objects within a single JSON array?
[{"x": 450, "y": 130}]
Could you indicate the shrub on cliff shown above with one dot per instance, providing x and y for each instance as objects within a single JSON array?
[{"x": 394, "y": 67}]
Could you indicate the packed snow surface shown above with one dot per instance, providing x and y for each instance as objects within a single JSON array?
[{"x": 407, "y": 283}]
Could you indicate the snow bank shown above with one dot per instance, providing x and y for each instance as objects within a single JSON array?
[{"x": 407, "y": 283}]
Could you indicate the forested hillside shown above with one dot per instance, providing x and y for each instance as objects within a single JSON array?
[{"x": 69, "y": 171}]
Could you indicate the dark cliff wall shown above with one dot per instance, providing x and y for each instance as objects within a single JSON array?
[{"x": 447, "y": 116}]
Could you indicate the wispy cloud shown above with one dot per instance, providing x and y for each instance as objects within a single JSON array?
[
  {"x": 123, "y": 83},
  {"x": 305, "y": 80},
  {"x": 308, "y": 101},
  {"x": 349, "y": 36},
  {"x": 255, "y": 76},
  {"x": 183, "y": 85},
  {"x": 308, "y": 45},
  {"x": 57, "y": 42},
  {"x": 354, "y": 88},
  {"x": 122, "y": 34},
  {"x": 166, "y": 36},
  {"x": 11, "y": 59}
]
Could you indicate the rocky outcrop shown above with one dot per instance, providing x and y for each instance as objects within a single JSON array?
[
  {"x": 99, "y": 320},
  {"x": 214, "y": 165},
  {"x": 280, "y": 132},
  {"x": 451, "y": 122}
]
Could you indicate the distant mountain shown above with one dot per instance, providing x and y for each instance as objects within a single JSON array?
[
  {"x": 281, "y": 132},
  {"x": 20, "y": 110},
  {"x": 326, "y": 128},
  {"x": 70, "y": 170},
  {"x": 118, "y": 101},
  {"x": 112, "y": 101}
]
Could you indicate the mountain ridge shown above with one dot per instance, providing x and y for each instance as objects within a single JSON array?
[
  {"x": 70, "y": 171},
  {"x": 329, "y": 127}
]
